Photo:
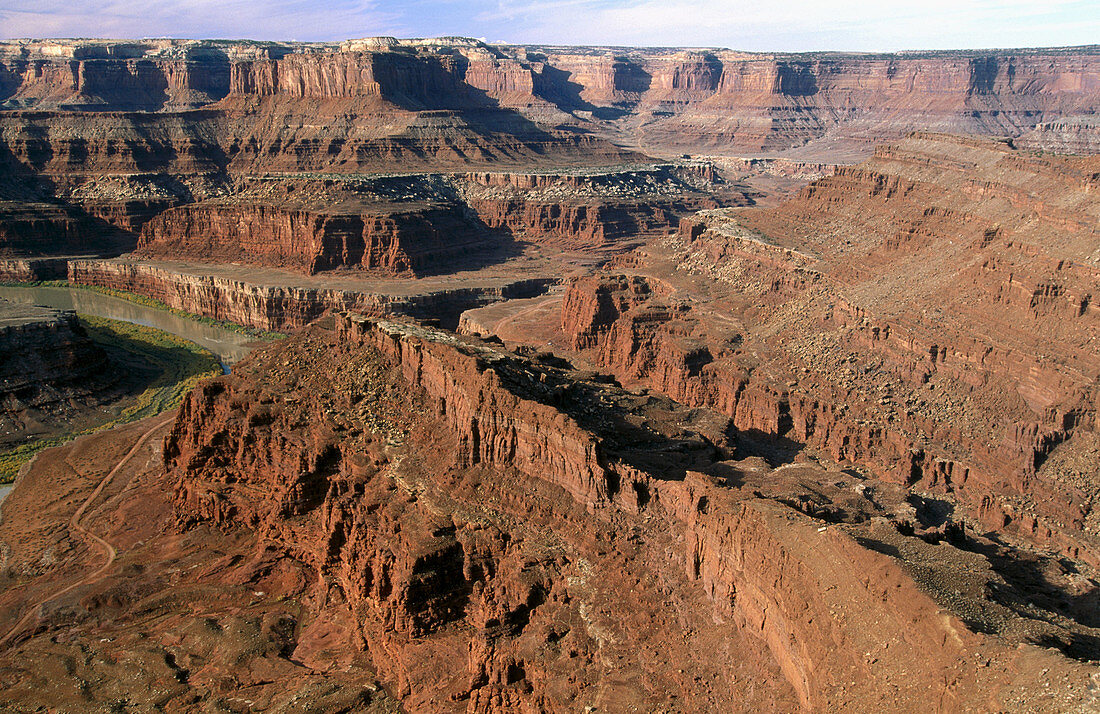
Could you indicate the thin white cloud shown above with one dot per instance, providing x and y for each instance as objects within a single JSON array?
[
  {"x": 752, "y": 24},
  {"x": 258, "y": 19},
  {"x": 739, "y": 24}
]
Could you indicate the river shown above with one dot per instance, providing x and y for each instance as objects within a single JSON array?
[{"x": 228, "y": 345}]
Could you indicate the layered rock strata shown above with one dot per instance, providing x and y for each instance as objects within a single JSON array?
[
  {"x": 595, "y": 210},
  {"x": 431, "y": 223},
  {"x": 1071, "y": 135},
  {"x": 33, "y": 229},
  {"x": 924, "y": 314},
  {"x": 408, "y": 505},
  {"x": 33, "y": 270},
  {"x": 404, "y": 239},
  {"x": 97, "y": 138},
  {"x": 48, "y": 364},
  {"x": 671, "y": 98},
  {"x": 271, "y": 305}
]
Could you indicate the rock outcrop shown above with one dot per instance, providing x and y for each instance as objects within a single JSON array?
[
  {"x": 372, "y": 513},
  {"x": 595, "y": 210},
  {"x": 914, "y": 314},
  {"x": 716, "y": 99},
  {"x": 274, "y": 305},
  {"x": 577, "y": 226},
  {"x": 430, "y": 223},
  {"x": 391, "y": 239},
  {"x": 1071, "y": 135},
  {"x": 48, "y": 366},
  {"x": 33, "y": 270},
  {"x": 33, "y": 230},
  {"x": 399, "y": 482}
]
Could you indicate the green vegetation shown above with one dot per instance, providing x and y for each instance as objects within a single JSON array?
[
  {"x": 166, "y": 367},
  {"x": 13, "y": 460},
  {"x": 153, "y": 303},
  {"x": 35, "y": 284},
  {"x": 180, "y": 363},
  {"x": 157, "y": 304}
]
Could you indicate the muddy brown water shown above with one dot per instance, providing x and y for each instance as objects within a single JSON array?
[{"x": 228, "y": 345}]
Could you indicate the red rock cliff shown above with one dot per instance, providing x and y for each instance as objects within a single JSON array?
[
  {"x": 390, "y": 239},
  {"x": 920, "y": 314},
  {"x": 405, "y": 495}
]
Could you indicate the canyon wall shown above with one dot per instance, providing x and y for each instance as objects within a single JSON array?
[
  {"x": 1070, "y": 135},
  {"x": 16, "y": 270},
  {"x": 37, "y": 229},
  {"x": 98, "y": 138},
  {"x": 600, "y": 211},
  {"x": 578, "y": 226},
  {"x": 922, "y": 314},
  {"x": 420, "y": 224},
  {"x": 404, "y": 239},
  {"x": 794, "y": 100},
  {"x": 426, "y": 522},
  {"x": 47, "y": 365},
  {"x": 714, "y": 100},
  {"x": 284, "y": 307}
]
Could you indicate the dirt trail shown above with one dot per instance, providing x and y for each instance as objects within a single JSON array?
[{"x": 74, "y": 524}]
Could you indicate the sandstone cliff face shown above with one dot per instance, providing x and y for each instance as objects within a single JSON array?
[
  {"x": 400, "y": 240},
  {"x": 758, "y": 102},
  {"x": 47, "y": 365},
  {"x": 1071, "y": 135},
  {"x": 76, "y": 216},
  {"x": 94, "y": 178},
  {"x": 119, "y": 83},
  {"x": 96, "y": 143},
  {"x": 210, "y": 106},
  {"x": 429, "y": 223},
  {"x": 506, "y": 540},
  {"x": 634, "y": 327},
  {"x": 15, "y": 270},
  {"x": 413, "y": 81},
  {"x": 283, "y": 136},
  {"x": 494, "y": 425},
  {"x": 716, "y": 100},
  {"x": 500, "y": 612},
  {"x": 34, "y": 229},
  {"x": 901, "y": 315},
  {"x": 285, "y": 307},
  {"x": 199, "y": 115},
  {"x": 577, "y": 226},
  {"x": 601, "y": 210}
]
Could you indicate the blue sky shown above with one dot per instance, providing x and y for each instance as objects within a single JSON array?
[{"x": 758, "y": 25}]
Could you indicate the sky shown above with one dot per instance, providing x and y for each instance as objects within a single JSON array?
[{"x": 754, "y": 25}]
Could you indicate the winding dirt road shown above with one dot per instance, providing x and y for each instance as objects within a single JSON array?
[{"x": 75, "y": 525}]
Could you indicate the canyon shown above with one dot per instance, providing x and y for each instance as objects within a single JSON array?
[
  {"x": 101, "y": 137},
  {"x": 901, "y": 314},
  {"x": 47, "y": 365},
  {"x": 717, "y": 99},
  {"x": 363, "y": 508},
  {"x": 615, "y": 379}
]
